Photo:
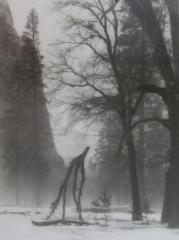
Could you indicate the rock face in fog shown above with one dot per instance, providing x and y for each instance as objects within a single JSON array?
[{"x": 9, "y": 50}]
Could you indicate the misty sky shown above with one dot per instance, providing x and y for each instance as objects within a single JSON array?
[
  {"x": 48, "y": 26},
  {"x": 73, "y": 142}
]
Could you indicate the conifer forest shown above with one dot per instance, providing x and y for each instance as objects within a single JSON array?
[{"x": 89, "y": 119}]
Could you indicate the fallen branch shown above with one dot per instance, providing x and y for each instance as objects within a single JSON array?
[
  {"x": 60, "y": 221},
  {"x": 76, "y": 165}
]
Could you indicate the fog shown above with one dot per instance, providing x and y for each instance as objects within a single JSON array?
[
  {"x": 71, "y": 141},
  {"x": 48, "y": 20},
  {"x": 49, "y": 29}
]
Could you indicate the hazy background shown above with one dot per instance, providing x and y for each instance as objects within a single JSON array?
[
  {"x": 68, "y": 143},
  {"x": 48, "y": 26}
]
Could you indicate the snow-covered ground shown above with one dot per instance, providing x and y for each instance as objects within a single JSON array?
[{"x": 18, "y": 227}]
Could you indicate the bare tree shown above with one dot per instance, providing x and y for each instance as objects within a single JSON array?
[
  {"x": 95, "y": 77},
  {"x": 169, "y": 69}
]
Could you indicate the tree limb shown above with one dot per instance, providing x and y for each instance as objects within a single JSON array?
[
  {"x": 144, "y": 11},
  {"x": 153, "y": 89},
  {"x": 164, "y": 122}
]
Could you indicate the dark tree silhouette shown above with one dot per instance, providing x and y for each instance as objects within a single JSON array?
[
  {"x": 169, "y": 69},
  {"x": 76, "y": 167},
  {"x": 100, "y": 81}
]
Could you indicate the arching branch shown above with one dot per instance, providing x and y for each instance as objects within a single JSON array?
[
  {"x": 153, "y": 89},
  {"x": 164, "y": 122}
]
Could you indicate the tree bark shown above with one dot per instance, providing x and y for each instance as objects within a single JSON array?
[
  {"x": 136, "y": 206},
  {"x": 170, "y": 73},
  {"x": 170, "y": 212},
  {"x": 141, "y": 171},
  {"x": 141, "y": 162}
]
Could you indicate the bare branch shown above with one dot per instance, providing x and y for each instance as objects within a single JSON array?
[
  {"x": 164, "y": 122},
  {"x": 153, "y": 89}
]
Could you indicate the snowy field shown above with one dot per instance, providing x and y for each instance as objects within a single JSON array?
[{"x": 17, "y": 226}]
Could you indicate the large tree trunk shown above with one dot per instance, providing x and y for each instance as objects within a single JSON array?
[
  {"x": 136, "y": 206},
  {"x": 141, "y": 171},
  {"x": 141, "y": 163},
  {"x": 170, "y": 213},
  {"x": 170, "y": 73}
]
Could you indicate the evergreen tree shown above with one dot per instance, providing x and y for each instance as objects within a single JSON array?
[
  {"x": 39, "y": 150},
  {"x": 12, "y": 127},
  {"x": 9, "y": 47},
  {"x": 34, "y": 104},
  {"x": 30, "y": 152}
]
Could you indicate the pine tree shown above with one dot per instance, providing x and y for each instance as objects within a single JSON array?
[
  {"x": 9, "y": 47},
  {"x": 34, "y": 103},
  {"x": 38, "y": 150},
  {"x": 12, "y": 128},
  {"x": 28, "y": 147}
]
